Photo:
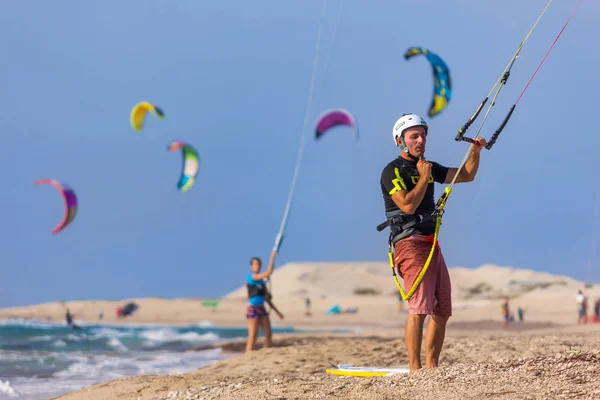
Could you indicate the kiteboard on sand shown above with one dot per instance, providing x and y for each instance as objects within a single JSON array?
[{"x": 364, "y": 372}]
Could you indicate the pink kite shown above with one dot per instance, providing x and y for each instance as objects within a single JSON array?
[
  {"x": 335, "y": 117},
  {"x": 70, "y": 202}
]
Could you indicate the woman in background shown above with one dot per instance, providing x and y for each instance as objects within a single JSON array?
[{"x": 256, "y": 313}]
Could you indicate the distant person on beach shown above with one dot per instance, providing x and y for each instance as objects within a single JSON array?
[
  {"x": 308, "y": 313},
  {"x": 597, "y": 309},
  {"x": 256, "y": 313},
  {"x": 407, "y": 184},
  {"x": 581, "y": 307},
  {"x": 520, "y": 313},
  {"x": 506, "y": 312}
]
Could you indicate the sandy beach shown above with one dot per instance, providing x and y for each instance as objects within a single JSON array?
[
  {"x": 562, "y": 365},
  {"x": 545, "y": 356}
]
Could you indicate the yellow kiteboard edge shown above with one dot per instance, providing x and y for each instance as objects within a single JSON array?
[{"x": 365, "y": 372}]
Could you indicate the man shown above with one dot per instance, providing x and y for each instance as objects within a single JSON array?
[
  {"x": 407, "y": 184},
  {"x": 581, "y": 307},
  {"x": 69, "y": 319}
]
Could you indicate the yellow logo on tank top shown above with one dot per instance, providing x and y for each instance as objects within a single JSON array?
[{"x": 415, "y": 179}]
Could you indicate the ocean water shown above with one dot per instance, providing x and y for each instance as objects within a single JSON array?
[{"x": 40, "y": 360}]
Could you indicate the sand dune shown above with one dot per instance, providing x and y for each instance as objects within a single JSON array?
[
  {"x": 477, "y": 293},
  {"x": 369, "y": 287},
  {"x": 344, "y": 279}
]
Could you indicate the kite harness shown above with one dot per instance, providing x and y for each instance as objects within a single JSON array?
[
  {"x": 402, "y": 225},
  {"x": 256, "y": 290},
  {"x": 260, "y": 290}
]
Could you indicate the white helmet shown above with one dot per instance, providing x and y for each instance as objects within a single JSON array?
[{"x": 406, "y": 121}]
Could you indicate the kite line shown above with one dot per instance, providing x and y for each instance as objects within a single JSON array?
[{"x": 311, "y": 95}]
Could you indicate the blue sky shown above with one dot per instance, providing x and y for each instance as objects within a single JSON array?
[{"x": 233, "y": 79}]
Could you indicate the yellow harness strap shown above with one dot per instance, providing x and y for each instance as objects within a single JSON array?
[{"x": 438, "y": 223}]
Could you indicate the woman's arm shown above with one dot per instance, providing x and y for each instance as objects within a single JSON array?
[{"x": 269, "y": 270}]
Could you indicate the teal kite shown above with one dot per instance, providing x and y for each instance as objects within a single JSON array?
[
  {"x": 442, "y": 90},
  {"x": 191, "y": 163}
]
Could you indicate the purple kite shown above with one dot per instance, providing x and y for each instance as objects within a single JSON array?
[
  {"x": 69, "y": 198},
  {"x": 335, "y": 117}
]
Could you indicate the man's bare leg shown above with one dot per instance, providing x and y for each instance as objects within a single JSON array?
[
  {"x": 413, "y": 338},
  {"x": 434, "y": 340}
]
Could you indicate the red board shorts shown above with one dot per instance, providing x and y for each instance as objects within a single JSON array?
[
  {"x": 433, "y": 295},
  {"x": 256, "y": 311}
]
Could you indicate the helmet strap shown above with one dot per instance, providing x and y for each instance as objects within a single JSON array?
[{"x": 405, "y": 147}]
